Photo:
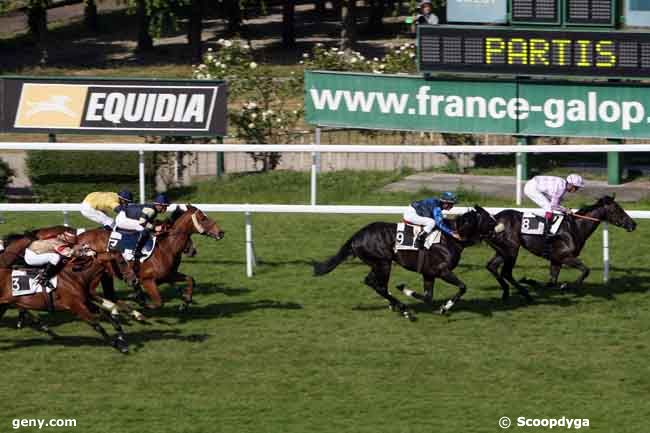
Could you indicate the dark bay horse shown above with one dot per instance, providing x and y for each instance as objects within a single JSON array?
[
  {"x": 162, "y": 266},
  {"x": 75, "y": 292},
  {"x": 566, "y": 244},
  {"x": 374, "y": 245}
]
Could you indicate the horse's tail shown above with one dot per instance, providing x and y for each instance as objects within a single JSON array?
[{"x": 322, "y": 268}]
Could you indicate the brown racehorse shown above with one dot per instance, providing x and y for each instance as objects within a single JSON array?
[
  {"x": 75, "y": 292},
  {"x": 162, "y": 266}
]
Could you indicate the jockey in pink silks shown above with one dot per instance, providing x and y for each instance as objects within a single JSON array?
[{"x": 547, "y": 192}]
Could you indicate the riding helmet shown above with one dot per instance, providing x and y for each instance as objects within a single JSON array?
[
  {"x": 448, "y": 197},
  {"x": 575, "y": 180},
  {"x": 125, "y": 195},
  {"x": 161, "y": 199}
]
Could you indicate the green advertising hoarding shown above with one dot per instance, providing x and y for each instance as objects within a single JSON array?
[{"x": 411, "y": 103}]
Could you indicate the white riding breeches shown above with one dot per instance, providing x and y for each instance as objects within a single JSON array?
[
  {"x": 33, "y": 259},
  {"x": 530, "y": 189},
  {"x": 411, "y": 216},
  {"x": 123, "y": 222},
  {"x": 95, "y": 215}
]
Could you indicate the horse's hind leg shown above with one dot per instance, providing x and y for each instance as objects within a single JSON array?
[
  {"x": 493, "y": 266},
  {"x": 3, "y": 309},
  {"x": 108, "y": 287},
  {"x": 378, "y": 280},
  {"x": 120, "y": 341},
  {"x": 80, "y": 309},
  {"x": 451, "y": 278},
  {"x": 427, "y": 284},
  {"x": 554, "y": 274}
]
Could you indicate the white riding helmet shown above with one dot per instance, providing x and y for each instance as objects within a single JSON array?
[{"x": 575, "y": 180}]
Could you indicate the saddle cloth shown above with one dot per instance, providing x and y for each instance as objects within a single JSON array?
[
  {"x": 124, "y": 241},
  {"x": 23, "y": 282},
  {"x": 532, "y": 224},
  {"x": 407, "y": 235}
]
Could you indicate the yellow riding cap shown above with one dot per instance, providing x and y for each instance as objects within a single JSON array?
[{"x": 103, "y": 201}]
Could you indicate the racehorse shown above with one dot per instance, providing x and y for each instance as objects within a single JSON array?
[
  {"x": 566, "y": 244},
  {"x": 162, "y": 266},
  {"x": 75, "y": 292},
  {"x": 375, "y": 246}
]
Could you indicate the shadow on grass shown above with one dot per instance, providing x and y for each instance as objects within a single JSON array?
[
  {"x": 136, "y": 340},
  {"x": 222, "y": 310}
]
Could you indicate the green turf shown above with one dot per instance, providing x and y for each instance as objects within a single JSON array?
[{"x": 286, "y": 352}]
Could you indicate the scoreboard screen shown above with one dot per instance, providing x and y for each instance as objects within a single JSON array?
[
  {"x": 590, "y": 12},
  {"x": 502, "y": 50},
  {"x": 535, "y": 11}
]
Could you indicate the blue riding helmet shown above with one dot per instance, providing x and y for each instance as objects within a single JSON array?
[
  {"x": 162, "y": 200},
  {"x": 125, "y": 195},
  {"x": 448, "y": 197}
]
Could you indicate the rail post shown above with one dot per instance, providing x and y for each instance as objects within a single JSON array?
[
  {"x": 250, "y": 251},
  {"x": 605, "y": 252}
]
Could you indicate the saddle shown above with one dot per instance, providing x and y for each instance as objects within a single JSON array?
[
  {"x": 407, "y": 235},
  {"x": 532, "y": 224},
  {"x": 24, "y": 282},
  {"x": 125, "y": 241}
]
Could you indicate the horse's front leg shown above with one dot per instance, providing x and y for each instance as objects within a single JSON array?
[
  {"x": 576, "y": 263},
  {"x": 186, "y": 296},
  {"x": 427, "y": 284},
  {"x": 554, "y": 274},
  {"x": 448, "y": 276},
  {"x": 151, "y": 288}
]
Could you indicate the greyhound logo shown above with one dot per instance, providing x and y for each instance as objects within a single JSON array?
[{"x": 56, "y": 104}]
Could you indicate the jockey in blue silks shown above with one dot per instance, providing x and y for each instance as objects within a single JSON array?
[
  {"x": 428, "y": 213},
  {"x": 141, "y": 218}
]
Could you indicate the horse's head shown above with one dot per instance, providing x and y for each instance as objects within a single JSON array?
[
  {"x": 198, "y": 222},
  {"x": 615, "y": 214},
  {"x": 475, "y": 224}
]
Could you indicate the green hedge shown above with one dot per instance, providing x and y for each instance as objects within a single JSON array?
[
  {"x": 6, "y": 174},
  {"x": 69, "y": 176}
]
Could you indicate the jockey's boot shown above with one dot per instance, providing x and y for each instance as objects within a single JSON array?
[
  {"x": 548, "y": 242},
  {"x": 48, "y": 272},
  {"x": 422, "y": 237},
  {"x": 108, "y": 227}
]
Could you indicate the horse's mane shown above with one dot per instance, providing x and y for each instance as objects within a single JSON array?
[
  {"x": 13, "y": 237},
  {"x": 603, "y": 200}
]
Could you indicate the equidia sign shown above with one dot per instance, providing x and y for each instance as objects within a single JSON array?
[{"x": 113, "y": 106}]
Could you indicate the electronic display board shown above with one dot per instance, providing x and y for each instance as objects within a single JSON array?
[
  {"x": 503, "y": 50},
  {"x": 535, "y": 11},
  {"x": 590, "y": 12}
]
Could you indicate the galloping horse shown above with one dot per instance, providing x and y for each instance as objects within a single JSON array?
[
  {"x": 74, "y": 292},
  {"x": 566, "y": 244},
  {"x": 375, "y": 245},
  {"x": 162, "y": 266}
]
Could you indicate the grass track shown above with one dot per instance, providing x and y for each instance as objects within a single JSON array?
[{"x": 286, "y": 352}]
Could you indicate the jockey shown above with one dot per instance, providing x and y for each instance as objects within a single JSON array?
[
  {"x": 547, "y": 192},
  {"x": 97, "y": 204},
  {"x": 428, "y": 213},
  {"x": 141, "y": 218},
  {"x": 52, "y": 253}
]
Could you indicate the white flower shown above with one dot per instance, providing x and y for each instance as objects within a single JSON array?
[
  {"x": 209, "y": 57},
  {"x": 382, "y": 66},
  {"x": 254, "y": 116},
  {"x": 279, "y": 119},
  {"x": 411, "y": 55},
  {"x": 301, "y": 62},
  {"x": 251, "y": 125},
  {"x": 295, "y": 111},
  {"x": 252, "y": 65},
  {"x": 375, "y": 59},
  {"x": 251, "y": 105},
  {"x": 227, "y": 44},
  {"x": 221, "y": 41},
  {"x": 319, "y": 44},
  {"x": 353, "y": 60},
  {"x": 335, "y": 49},
  {"x": 246, "y": 47},
  {"x": 305, "y": 55}
]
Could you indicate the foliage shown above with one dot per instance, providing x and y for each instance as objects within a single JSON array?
[
  {"x": 264, "y": 114},
  {"x": 399, "y": 59},
  {"x": 6, "y": 173},
  {"x": 69, "y": 176}
]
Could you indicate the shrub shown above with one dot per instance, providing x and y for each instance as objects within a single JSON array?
[{"x": 69, "y": 176}]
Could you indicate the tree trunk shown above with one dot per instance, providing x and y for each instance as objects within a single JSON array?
[
  {"x": 90, "y": 16},
  {"x": 320, "y": 9},
  {"x": 145, "y": 43},
  {"x": 233, "y": 11},
  {"x": 288, "y": 24},
  {"x": 194, "y": 30},
  {"x": 349, "y": 21},
  {"x": 37, "y": 22},
  {"x": 376, "y": 16}
]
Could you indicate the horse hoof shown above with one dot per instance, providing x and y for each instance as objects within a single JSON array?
[
  {"x": 442, "y": 311},
  {"x": 183, "y": 308},
  {"x": 392, "y": 307},
  {"x": 121, "y": 345},
  {"x": 565, "y": 287}
]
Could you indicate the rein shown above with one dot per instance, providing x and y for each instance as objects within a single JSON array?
[{"x": 585, "y": 217}]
